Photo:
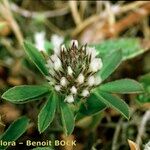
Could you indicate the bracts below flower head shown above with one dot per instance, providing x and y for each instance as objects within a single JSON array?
[{"x": 73, "y": 71}]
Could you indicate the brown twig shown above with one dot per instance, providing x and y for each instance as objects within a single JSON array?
[
  {"x": 116, "y": 134},
  {"x": 7, "y": 15},
  {"x": 116, "y": 10},
  {"x": 111, "y": 17},
  {"x": 33, "y": 14},
  {"x": 131, "y": 19},
  {"x": 75, "y": 13},
  {"x": 142, "y": 126},
  {"x": 146, "y": 28},
  {"x": 83, "y": 7}
]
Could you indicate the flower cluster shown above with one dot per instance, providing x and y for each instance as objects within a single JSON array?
[{"x": 72, "y": 71}]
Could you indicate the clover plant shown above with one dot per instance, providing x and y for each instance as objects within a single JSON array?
[
  {"x": 14, "y": 131},
  {"x": 75, "y": 84}
]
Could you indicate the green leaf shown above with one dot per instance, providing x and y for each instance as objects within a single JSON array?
[
  {"x": 122, "y": 86},
  {"x": 47, "y": 113},
  {"x": 67, "y": 118},
  {"x": 131, "y": 47},
  {"x": 145, "y": 79},
  {"x": 24, "y": 93},
  {"x": 92, "y": 106},
  {"x": 144, "y": 98},
  {"x": 111, "y": 62},
  {"x": 114, "y": 102},
  {"x": 37, "y": 58},
  {"x": 15, "y": 130}
]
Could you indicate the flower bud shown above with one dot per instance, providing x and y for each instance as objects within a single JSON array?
[
  {"x": 95, "y": 65},
  {"x": 73, "y": 90},
  {"x": 63, "y": 81},
  {"x": 74, "y": 43},
  {"x": 69, "y": 70},
  {"x": 91, "y": 81},
  {"x": 85, "y": 93},
  {"x": 57, "y": 87},
  {"x": 63, "y": 48},
  {"x": 54, "y": 57},
  {"x": 91, "y": 51},
  {"x": 69, "y": 99},
  {"x": 80, "y": 78},
  {"x": 57, "y": 64}
]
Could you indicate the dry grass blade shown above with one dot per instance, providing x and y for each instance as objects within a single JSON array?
[
  {"x": 7, "y": 15},
  {"x": 133, "y": 146},
  {"x": 46, "y": 14},
  {"x": 115, "y": 9},
  {"x": 107, "y": 31},
  {"x": 75, "y": 13},
  {"x": 142, "y": 127},
  {"x": 69, "y": 140}
]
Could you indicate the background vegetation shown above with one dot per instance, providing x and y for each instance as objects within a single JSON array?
[{"x": 125, "y": 24}]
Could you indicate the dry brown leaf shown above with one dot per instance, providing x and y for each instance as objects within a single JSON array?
[
  {"x": 133, "y": 145},
  {"x": 1, "y": 122},
  {"x": 68, "y": 139},
  {"x": 14, "y": 81},
  {"x": 10, "y": 112}
]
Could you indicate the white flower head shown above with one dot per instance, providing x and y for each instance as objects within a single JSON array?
[
  {"x": 91, "y": 81},
  {"x": 73, "y": 90},
  {"x": 91, "y": 51},
  {"x": 57, "y": 87},
  {"x": 75, "y": 43},
  {"x": 63, "y": 81},
  {"x": 95, "y": 65},
  {"x": 69, "y": 99},
  {"x": 69, "y": 71},
  {"x": 73, "y": 70},
  {"x": 39, "y": 38},
  {"x": 85, "y": 93},
  {"x": 57, "y": 64},
  {"x": 80, "y": 78}
]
